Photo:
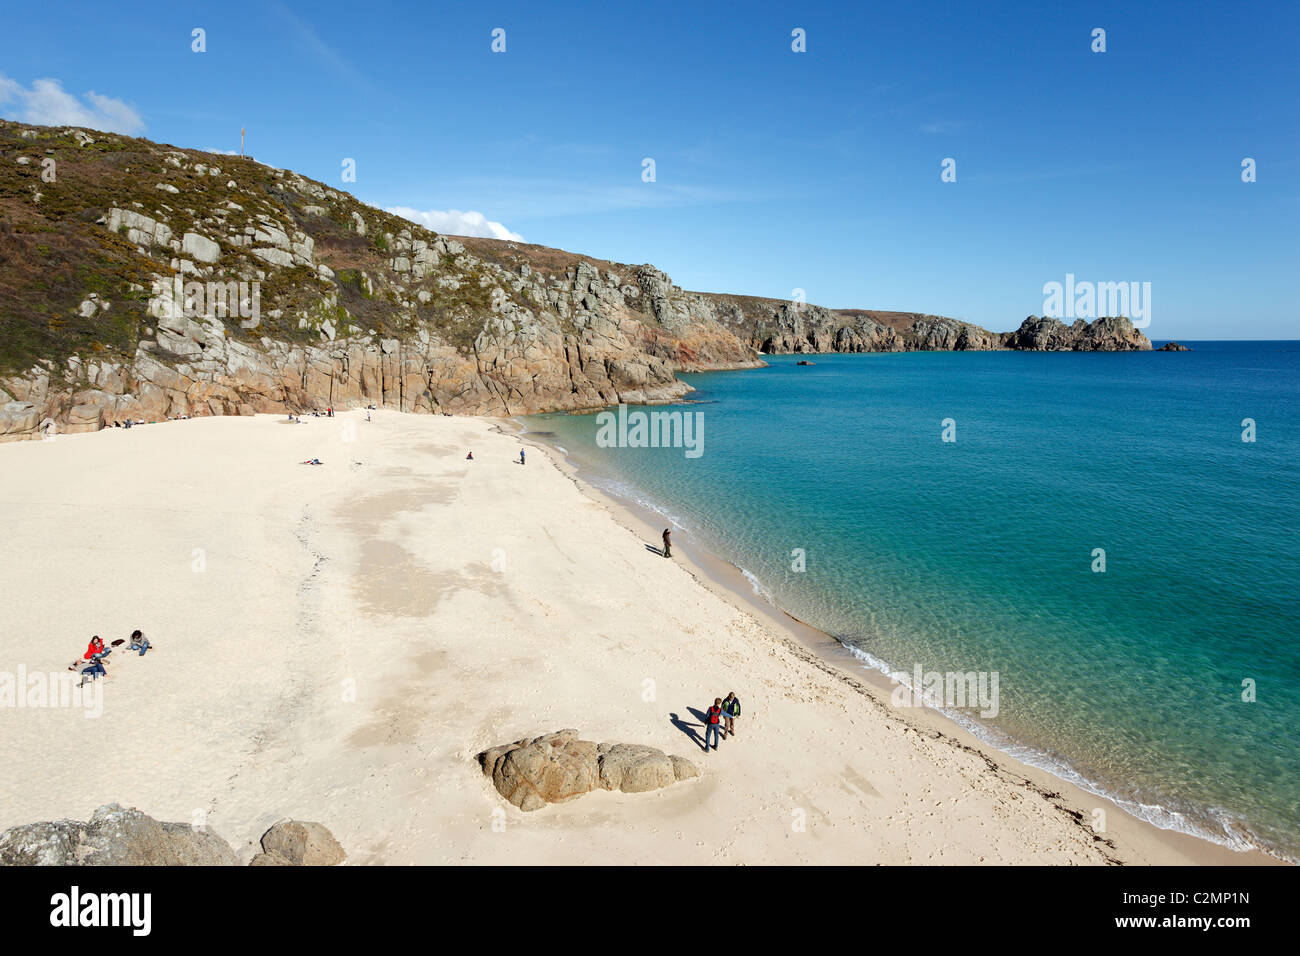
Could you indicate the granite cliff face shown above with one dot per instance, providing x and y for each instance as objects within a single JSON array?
[{"x": 141, "y": 281}]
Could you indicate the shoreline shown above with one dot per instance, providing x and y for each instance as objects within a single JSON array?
[{"x": 729, "y": 581}]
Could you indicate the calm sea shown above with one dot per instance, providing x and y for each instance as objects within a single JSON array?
[{"x": 1170, "y": 680}]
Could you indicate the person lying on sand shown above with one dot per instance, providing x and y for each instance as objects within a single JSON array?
[
  {"x": 312, "y": 461},
  {"x": 96, "y": 669}
]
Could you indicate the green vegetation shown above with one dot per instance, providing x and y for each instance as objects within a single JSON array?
[{"x": 56, "y": 252}]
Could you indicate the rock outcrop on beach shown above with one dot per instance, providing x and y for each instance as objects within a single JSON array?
[
  {"x": 114, "y": 836},
  {"x": 535, "y": 771},
  {"x": 141, "y": 281},
  {"x": 120, "y": 836},
  {"x": 294, "y": 843}
]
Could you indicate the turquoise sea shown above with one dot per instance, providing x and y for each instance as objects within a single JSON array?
[{"x": 978, "y": 554}]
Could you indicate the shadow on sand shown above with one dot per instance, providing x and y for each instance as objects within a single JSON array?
[{"x": 689, "y": 729}]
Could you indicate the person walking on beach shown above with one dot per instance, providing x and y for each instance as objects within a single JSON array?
[
  {"x": 521, "y": 456},
  {"x": 668, "y": 543},
  {"x": 711, "y": 721},
  {"x": 730, "y": 711}
]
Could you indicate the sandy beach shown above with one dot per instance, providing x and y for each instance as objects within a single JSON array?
[{"x": 337, "y": 643}]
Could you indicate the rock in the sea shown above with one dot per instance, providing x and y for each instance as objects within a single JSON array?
[
  {"x": 1108, "y": 334},
  {"x": 295, "y": 843},
  {"x": 114, "y": 836},
  {"x": 535, "y": 771},
  {"x": 1173, "y": 347}
]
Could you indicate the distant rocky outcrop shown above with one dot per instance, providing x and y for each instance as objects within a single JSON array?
[
  {"x": 535, "y": 771},
  {"x": 1173, "y": 347},
  {"x": 145, "y": 282},
  {"x": 1111, "y": 334},
  {"x": 114, "y": 836},
  {"x": 294, "y": 843}
]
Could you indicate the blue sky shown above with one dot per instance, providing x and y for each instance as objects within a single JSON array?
[{"x": 774, "y": 170}]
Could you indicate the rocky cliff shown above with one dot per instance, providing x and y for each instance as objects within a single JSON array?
[{"x": 142, "y": 281}]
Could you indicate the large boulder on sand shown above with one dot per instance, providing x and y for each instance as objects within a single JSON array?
[
  {"x": 635, "y": 768},
  {"x": 114, "y": 836},
  {"x": 294, "y": 843},
  {"x": 535, "y": 771}
]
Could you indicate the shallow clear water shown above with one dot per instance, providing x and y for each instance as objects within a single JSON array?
[{"x": 978, "y": 554}]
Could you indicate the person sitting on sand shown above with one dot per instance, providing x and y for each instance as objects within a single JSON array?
[
  {"x": 711, "y": 720},
  {"x": 95, "y": 653},
  {"x": 668, "y": 543},
  {"x": 730, "y": 711},
  {"x": 138, "y": 642},
  {"x": 469, "y": 457}
]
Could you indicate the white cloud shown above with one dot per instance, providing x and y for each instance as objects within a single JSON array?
[
  {"x": 47, "y": 103},
  {"x": 453, "y": 222}
]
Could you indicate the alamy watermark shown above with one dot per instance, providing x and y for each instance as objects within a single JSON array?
[
  {"x": 1092, "y": 300},
  {"x": 657, "y": 429},
  {"x": 42, "y": 690},
  {"x": 222, "y": 300},
  {"x": 954, "y": 690},
  {"x": 127, "y": 910}
]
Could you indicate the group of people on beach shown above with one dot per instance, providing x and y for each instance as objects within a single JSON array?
[
  {"x": 470, "y": 457},
  {"x": 301, "y": 419},
  {"x": 96, "y": 652},
  {"x": 721, "y": 719}
]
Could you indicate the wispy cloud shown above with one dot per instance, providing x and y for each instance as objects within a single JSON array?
[
  {"x": 528, "y": 198},
  {"x": 47, "y": 103},
  {"x": 331, "y": 57},
  {"x": 453, "y": 222},
  {"x": 1015, "y": 177}
]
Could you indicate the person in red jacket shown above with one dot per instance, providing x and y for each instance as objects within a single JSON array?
[
  {"x": 711, "y": 720},
  {"x": 95, "y": 653}
]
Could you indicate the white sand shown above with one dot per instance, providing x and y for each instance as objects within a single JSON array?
[{"x": 347, "y": 648}]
